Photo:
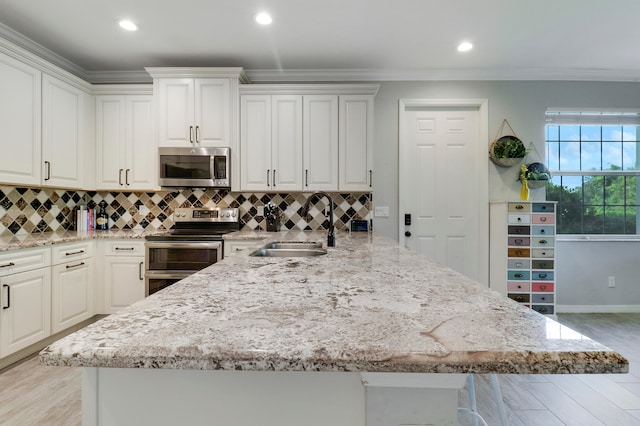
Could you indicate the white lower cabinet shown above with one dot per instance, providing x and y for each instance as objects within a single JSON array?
[
  {"x": 72, "y": 284},
  {"x": 71, "y": 293},
  {"x": 237, "y": 246},
  {"x": 25, "y": 316},
  {"x": 123, "y": 274}
]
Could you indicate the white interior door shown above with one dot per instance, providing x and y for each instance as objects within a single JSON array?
[{"x": 444, "y": 183}]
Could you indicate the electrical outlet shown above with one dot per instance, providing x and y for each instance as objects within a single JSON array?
[
  {"x": 260, "y": 210},
  {"x": 381, "y": 211},
  {"x": 612, "y": 282}
]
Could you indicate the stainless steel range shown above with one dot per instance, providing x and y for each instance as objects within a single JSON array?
[{"x": 195, "y": 242}]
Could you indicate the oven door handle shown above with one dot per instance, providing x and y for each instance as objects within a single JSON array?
[
  {"x": 185, "y": 244},
  {"x": 154, "y": 275}
]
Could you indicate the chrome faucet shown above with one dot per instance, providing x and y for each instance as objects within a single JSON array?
[{"x": 331, "y": 237}]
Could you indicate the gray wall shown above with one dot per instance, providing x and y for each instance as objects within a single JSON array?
[{"x": 523, "y": 103}]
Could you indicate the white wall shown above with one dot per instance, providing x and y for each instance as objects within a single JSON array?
[{"x": 523, "y": 103}]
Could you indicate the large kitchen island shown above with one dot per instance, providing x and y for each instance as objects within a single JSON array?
[{"x": 368, "y": 334}]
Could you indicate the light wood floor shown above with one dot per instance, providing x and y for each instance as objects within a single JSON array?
[{"x": 31, "y": 394}]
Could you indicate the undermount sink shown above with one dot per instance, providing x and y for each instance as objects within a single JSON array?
[{"x": 290, "y": 249}]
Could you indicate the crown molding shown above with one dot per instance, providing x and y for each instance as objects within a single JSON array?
[{"x": 310, "y": 89}]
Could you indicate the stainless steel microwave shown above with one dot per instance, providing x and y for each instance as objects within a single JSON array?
[{"x": 191, "y": 167}]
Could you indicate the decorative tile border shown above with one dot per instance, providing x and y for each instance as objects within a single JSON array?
[{"x": 32, "y": 210}]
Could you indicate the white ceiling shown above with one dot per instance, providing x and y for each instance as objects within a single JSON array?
[{"x": 337, "y": 39}]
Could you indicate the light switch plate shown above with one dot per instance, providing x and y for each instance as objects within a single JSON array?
[{"x": 381, "y": 211}]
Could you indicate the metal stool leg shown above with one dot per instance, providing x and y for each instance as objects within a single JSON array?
[{"x": 497, "y": 396}]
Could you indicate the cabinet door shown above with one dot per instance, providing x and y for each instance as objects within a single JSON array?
[
  {"x": 211, "y": 110},
  {"x": 25, "y": 317},
  {"x": 124, "y": 281},
  {"x": 63, "y": 135},
  {"x": 141, "y": 146},
  {"x": 286, "y": 143},
  {"x": 110, "y": 142},
  {"x": 72, "y": 294},
  {"x": 175, "y": 111},
  {"x": 255, "y": 143},
  {"x": 20, "y": 119},
  {"x": 356, "y": 143},
  {"x": 320, "y": 143}
]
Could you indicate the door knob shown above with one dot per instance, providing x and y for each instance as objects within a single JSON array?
[{"x": 407, "y": 234}]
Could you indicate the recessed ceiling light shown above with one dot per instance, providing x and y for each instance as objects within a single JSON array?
[
  {"x": 128, "y": 25},
  {"x": 465, "y": 46},
  {"x": 263, "y": 18}
]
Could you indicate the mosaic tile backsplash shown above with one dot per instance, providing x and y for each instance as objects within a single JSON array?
[{"x": 29, "y": 210}]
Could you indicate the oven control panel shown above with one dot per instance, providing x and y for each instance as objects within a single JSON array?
[{"x": 206, "y": 214}]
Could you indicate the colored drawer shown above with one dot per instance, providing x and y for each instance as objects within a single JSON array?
[
  {"x": 522, "y": 298},
  {"x": 519, "y": 264},
  {"x": 542, "y": 287},
  {"x": 516, "y": 219},
  {"x": 515, "y": 287},
  {"x": 542, "y": 253},
  {"x": 543, "y": 309},
  {"x": 542, "y": 275},
  {"x": 545, "y": 219},
  {"x": 518, "y": 275},
  {"x": 543, "y": 207},
  {"x": 518, "y": 252},
  {"x": 519, "y": 241},
  {"x": 519, "y": 207},
  {"x": 543, "y": 230},
  {"x": 542, "y": 264},
  {"x": 541, "y": 298},
  {"x": 543, "y": 242},
  {"x": 518, "y": 230}
]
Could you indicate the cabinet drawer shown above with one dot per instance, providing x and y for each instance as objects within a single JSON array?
[
  {"x": 542, "y": 275},
  {"x": 542, "y": 252},
  {"x": 543, "y": 309},
  {"x": 61, "y": 253},
  {"x": 515, "y": 287},
  {"x": 519, "y": 207},
  {"x": 518, "y": 264},
  {"x": 543, "y": 230},
  {"x": 515, "y": 219},
  {"x": 542, "y": 264},
  {"x": 12, "y": 262},
  {"x": 522, "y": 298},
  {"x": 519, "y": 230},
  {"x": 542, "y": 287},
  {"x": 518, "y": 252},
  {"x": 542, "y": 298},
  {"x": 519, "y": 241},
  {"x": 124, "y": 248},
  {"x": 518, "y": 275},
  {"x": 543, "y": 207},
  {"x": 544, "y": 218},
  {"x": 543, "y": 242}
]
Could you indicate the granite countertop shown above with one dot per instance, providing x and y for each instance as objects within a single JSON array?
[
  {"x": 368, "y": 305},
  {"x": 24, "y": 241}
]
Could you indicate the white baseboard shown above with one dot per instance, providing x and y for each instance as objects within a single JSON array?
[{"x": 589, "y": 309}]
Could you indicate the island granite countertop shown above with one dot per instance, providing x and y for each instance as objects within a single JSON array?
[{"x": 368, "y": 305}]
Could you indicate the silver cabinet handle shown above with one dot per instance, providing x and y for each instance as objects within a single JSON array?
[
  {"x": 370, "y": 178},
  {"x": 197, "y": 134},
  {"x": 120, "y": 176},
  {"x": 268, "y": 177},
  {"x": 274, "y": 178},
  {"x": 48, "y": 167},
  {"x": 140, "y": 271},
  {"x": 8, "y": 296},
  {"x": 306, "y": 177},
  {"x": 7, "y": 264},
  {"x": 75, "y": 266},
  {"x": 71, "y": 253},
  {"x": 126, "y": 177}
]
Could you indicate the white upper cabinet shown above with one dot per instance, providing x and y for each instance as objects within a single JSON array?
[
  {"x": 194, "y": 112},
  {"x": 271, "y": 142},
  {"x": 320, "y": 142},
  {"x": 356, "y": 143},
  {"x": 63, "y": 134},
  {"x": 20, "y": 121},
  {"x": 125, "y": 147}
]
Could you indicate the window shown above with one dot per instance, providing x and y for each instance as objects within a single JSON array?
[{"x": 593, "y": 158}]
